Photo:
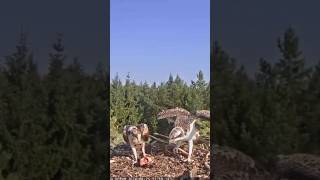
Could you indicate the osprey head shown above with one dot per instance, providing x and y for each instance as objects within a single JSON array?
[{"x": 135, "y": 132}]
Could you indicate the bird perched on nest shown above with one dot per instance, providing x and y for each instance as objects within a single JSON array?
[
  {"x": 185, "y": 126},
  {"x": 135, "y": 136}
]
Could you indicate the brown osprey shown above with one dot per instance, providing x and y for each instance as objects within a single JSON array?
[
  {"x": 185, "y": 127},
  {"x": 134, "y": 136}
]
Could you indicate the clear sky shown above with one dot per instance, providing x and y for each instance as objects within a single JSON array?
[
  {"x": 249, "y": 29},
  {"x": 152, "y": 38},
  {"x": 82, "y": 22}
]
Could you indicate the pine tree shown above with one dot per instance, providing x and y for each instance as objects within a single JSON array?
[
  {"x": 291, "y": 72},
  {"x": 25, "y": 113},
  {"x": 310, "y": 127}
]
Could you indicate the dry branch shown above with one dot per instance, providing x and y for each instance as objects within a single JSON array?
[
  {"x": 183, "y": 152},
  {"x": 161, "y": 135},
  {"x": 159, "y": 140}
]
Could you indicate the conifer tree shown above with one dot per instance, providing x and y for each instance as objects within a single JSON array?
[{"x": 291, "y": 72}]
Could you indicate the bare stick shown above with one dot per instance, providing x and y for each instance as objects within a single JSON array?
[
  {"x": 183, "y": 152},
  {"x": 169, "y": 147},
  {"x": 161, "y": 135},
  {"x": 157, "y": 139}
]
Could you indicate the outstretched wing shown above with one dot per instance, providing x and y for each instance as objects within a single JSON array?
[
  {"x": 184, "y": 122},
  {"x": 203, "y": 114},
  {"x": 170, "y": 114}
]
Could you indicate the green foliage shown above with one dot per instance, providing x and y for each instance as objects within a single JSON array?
[
  {"x": 132, "y": 103},
  {"x": 50, "y": 125},
  {"x": 115, "y": 135},
  {"x": 275, "y": 113}
]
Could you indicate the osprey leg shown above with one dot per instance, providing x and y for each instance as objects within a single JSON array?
[
  {"x": 175, "y": 150},
  {"x": 190, "y": 150},
  {"x": 144, "y": 149},
  {"x": 135, "y": 154}
]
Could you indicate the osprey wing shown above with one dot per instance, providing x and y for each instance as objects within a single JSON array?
[
  {"x": 203, "y": 114},
  {"x": 144, "y": 131},
  {"x": 173, "y": 113},
  {"x": 184, "y": 122},
  {"x": 125, "y": 133}
]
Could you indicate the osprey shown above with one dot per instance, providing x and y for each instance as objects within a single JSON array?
[
  {"x": 136, "y": 136},
  {"x": 185, "y": 126}
]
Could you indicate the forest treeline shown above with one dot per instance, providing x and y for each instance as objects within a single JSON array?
[
  {"x": 275, "y": 112},
  {"x": 52, "y": 126},
  {"x": 132, "y": 103}
]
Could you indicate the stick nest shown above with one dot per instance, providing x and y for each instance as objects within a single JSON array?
[{"x": 165, "y": 163}]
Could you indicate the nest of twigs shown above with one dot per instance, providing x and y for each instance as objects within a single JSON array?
[{"x": 164, "y": 162}]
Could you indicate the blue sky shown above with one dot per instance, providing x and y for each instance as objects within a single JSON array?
[
  {"x": 152, "y": 38},
  {"x": 83, "y": 24},
  {"x": 248, "y": 30}
]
